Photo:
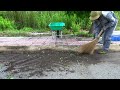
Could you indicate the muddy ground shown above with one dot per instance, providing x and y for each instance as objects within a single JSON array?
[{"x": 59, "y": 64}]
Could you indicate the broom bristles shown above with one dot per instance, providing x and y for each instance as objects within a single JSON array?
[{"x": 89, "y": 47}]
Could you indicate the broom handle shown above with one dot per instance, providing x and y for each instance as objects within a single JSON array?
[{"x": 101, "y": 32}]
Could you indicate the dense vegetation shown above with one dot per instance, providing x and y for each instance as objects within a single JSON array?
[{"x": 77, "y": 22}]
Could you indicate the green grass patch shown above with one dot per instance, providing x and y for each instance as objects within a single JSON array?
[
  {"x": 22, "y": 32},
  {"x": 83, "y": 34}
]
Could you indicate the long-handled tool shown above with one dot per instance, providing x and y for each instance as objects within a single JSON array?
[{"x": 90, "y": 47}]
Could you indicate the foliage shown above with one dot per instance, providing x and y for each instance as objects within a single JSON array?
[
  {"x": 38, "y": 21},
  {"x": 83, "y": 34},
  {"x": 6, "y": 24},
  {"x": 41, "y": 19},
  {"x": 26, "y": 29},
  {"x": 117, "y": 13}
]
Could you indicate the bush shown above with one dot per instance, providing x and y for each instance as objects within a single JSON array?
[
  {"x": 83, "y": 34},
  {"x": 6, "y": 24},
  {"x": 26, "y": 29},
  {"x": 75, "y": 27},
  {"x": 66, "y": 31},
  {"x": 117, "y": 13}
]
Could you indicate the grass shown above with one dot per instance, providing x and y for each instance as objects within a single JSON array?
[
  {"x": 83, "y": 34},
  {"x": 9, "y": 33},
  {"x": 24, "y": 33},
  {"x": 18, "y": 33},
  {"x": 41, "y": 19}
]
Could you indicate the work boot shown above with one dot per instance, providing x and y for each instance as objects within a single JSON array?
[{"x": 103, "y": 52}]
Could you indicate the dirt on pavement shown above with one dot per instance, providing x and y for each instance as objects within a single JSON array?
[{"x": 25, "y": 65}]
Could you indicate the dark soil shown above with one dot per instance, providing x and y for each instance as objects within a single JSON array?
[{"x": 45, "y": 60}]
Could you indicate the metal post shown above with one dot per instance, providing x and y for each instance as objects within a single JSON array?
[{"x": 58, "y": 33}]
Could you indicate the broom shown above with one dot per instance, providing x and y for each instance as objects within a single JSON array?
[{"x": 90, "y": 47}]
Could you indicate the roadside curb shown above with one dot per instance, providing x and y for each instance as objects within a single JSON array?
[{"x": 20, "y": 49}]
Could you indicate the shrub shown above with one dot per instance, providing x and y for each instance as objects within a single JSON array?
[
  {"x": 83, "y": 34},
  {"x": 27, "y": 29},
  {"x": 6, "y": 24}
]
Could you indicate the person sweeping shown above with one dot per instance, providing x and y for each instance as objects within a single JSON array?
[{"x": 106, "y": 21}]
